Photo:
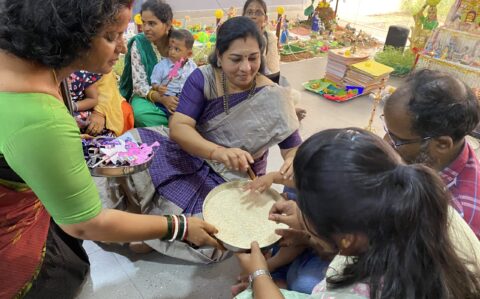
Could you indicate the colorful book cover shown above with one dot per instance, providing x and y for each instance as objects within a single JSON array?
[{"x": 372, "y": 68}]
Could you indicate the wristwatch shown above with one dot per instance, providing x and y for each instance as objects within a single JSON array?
[{"x": 256, "y": 274}]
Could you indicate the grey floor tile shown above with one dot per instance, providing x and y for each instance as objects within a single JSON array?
[
  {"x": 91, "y": 247},
  {"x": 107, "y": 279},
  {"x": 186, "y": 281}
]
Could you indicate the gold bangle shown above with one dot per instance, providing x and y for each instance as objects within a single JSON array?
[{"x": 149, "y": 96}]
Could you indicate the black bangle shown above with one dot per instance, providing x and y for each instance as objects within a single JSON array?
[
  {"x": 181, "y": 228},
  {"x": 169, "y": 234}
]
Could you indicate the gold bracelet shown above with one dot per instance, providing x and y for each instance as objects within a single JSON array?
[{"x": 149, "y": 96}]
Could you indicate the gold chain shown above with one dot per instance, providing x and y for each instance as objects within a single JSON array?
[
  {"x": 226, "y": 104},
  {"x": 57, "y": 84}
]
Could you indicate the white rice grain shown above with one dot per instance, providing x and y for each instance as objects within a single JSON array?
[{"x": 242, "y": 217}]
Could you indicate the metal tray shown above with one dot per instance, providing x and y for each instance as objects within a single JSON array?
[
  {"x": 121, "y": 170},
  {"x": 235, "y": 185}
]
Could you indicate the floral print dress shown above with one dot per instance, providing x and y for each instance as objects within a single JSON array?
[{"x": 78, "y": 82}]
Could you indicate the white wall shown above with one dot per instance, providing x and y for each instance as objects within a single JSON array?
[{"x": 352, "y": 8}]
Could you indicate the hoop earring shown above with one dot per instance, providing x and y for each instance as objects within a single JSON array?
[{"x": 219, "y": 64}]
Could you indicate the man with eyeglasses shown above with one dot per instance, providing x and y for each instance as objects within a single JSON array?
[{"x": 426, "y": 120}]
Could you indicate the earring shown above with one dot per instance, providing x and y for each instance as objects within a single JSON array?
[
  {"x": 345, "y": 244},
  {"x": 219, "y": 64}
]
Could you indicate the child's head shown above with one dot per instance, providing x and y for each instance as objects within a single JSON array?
[
  {"x": 354, "y": 190},
  {"x": 180, "y": 44}
]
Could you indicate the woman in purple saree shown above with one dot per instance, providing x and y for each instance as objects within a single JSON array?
[{"x": 228, "y": 117}]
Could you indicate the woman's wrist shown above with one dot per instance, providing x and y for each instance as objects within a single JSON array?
[
  {"x": 212, "y": 152},
  {"x": 153, "y": 96},
  {"x": 177, "y": 228},
  {"x": 260, "y": 274}
]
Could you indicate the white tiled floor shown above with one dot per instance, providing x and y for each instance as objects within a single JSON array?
[{"x": 117, "y": 273}]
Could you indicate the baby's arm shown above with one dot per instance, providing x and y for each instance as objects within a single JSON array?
[
  {"x": 90, "y": 100},
  {"x": 284, "y": 256},
  {"x": 159, "y": 73}
]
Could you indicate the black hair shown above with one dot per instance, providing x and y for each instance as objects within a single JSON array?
[
  {"x": 248, "y": 2},
  {"x": 54, "y": 33},
  {"x": 233, "y": 29},
  {"x": 183, "y": 35},
  {"x": 440, "y": 105},
  {"x": 160, "y": 9},
  {"x": 351, "y": 181}
]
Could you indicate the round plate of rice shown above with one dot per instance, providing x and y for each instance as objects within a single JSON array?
[{"x": 240, "y": 216}]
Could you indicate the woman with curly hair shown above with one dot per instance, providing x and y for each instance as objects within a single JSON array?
[{"x": 47, "y": 196}]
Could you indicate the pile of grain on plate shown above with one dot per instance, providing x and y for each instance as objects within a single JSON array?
[{"x": 242, "y": 217}]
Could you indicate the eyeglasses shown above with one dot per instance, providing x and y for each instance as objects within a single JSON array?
[
  {"x": 396, "y": 141},
  {"x": 256, "y": 13}
]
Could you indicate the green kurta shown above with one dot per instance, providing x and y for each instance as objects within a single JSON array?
[{"x": 146, "y": 113}]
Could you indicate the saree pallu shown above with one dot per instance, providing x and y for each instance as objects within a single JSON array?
[
  {"x": 24, "y": 224},
  {"x": 37, "y": 259},
  {"x": 177, "y": 182}
]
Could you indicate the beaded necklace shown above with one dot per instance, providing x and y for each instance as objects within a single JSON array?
[{"x": 226, "y": 104}]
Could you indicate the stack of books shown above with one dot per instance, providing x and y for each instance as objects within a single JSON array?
[
  {"x": 368, "y": 74},
  {"x": 339, "y": 61}
]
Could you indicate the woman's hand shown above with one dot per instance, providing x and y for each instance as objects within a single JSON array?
[
  {"x": 86, "y": 136},
  {"x": 200, "y": 233},
  {"x": 287, "y": 212},
  {"x": 170, "y": 102},
  {"x": 234, "y": 158},
  {"x": 253, "y": 261},
  {"x": 97, "y": 124}
]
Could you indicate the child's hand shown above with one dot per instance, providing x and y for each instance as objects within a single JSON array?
[
  {"x": 161, "y": 89},
  {"x": 293, "y": 237},
  {"x": 261, "y": 184},
  {"x": 171, "y": 103},
  {"x": 286, "y": 212},
  {"x": 253, "y": 261},
  {"x": 96, "y": 125},
  {"x": 287, "y": 169}
]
